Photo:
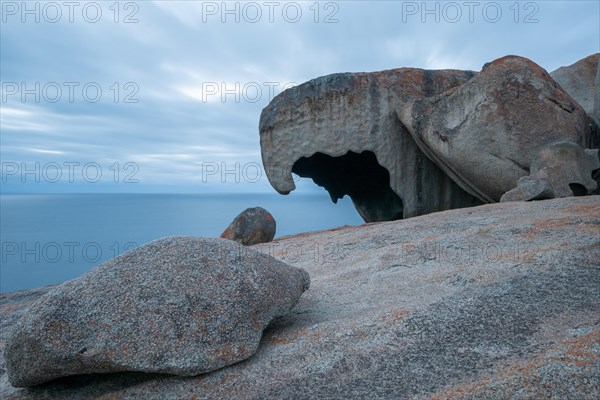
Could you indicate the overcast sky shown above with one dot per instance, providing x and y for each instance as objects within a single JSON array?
[{"x": 168, "y": 93}]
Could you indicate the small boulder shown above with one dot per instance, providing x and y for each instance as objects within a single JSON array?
[
  {"x": 251, "y": 226},
  {"x": 560, "y": 169},
  {"x": 178, "y": 305},
  {"x": 533, "y": 187},
  {"x": 569, "y": 168}
]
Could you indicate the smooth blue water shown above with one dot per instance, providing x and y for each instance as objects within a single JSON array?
[{"x": 50, "y": 238}]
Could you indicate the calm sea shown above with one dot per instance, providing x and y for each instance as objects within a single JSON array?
[{"x": 49, "y": 239}]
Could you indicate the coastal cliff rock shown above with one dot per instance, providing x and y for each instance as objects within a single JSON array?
[
  {"x": 343, "y": 131},
  {"x": 485, "y": 133},
  {"x": 490, "y": 302},
  {"x": 251, "y": 226},
  {"x": 178, "y": 305},
  {"x": 581, "y": 81}
]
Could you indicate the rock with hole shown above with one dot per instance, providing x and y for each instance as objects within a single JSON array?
[
  {"x": 569, "y": 168},
  {"x": 343, "y": 131},
  {"x": 485, "y": 133}
]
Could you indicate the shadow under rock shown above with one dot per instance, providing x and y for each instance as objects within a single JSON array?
[{"x": 91, "y": 385}]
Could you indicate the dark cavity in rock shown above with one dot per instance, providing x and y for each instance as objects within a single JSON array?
[{"x": 357, "y": 175}]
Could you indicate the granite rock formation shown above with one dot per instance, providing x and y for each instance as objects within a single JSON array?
[
  {"x": 251, "y": 226},
  {"x": 407, "y": 142},
  {"x": 178, "y": 305},
  {"x": 536, "y": 186},
  {"x": 485, "y": 133},
  {"x": 569, "y": 168},
  {"x": 581, "y": 81},
  {"x": 559, "y": 170},
  {"x": 343, "y": 131}
]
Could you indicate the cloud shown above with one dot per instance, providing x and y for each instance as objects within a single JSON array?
[{"x": 181, "y": 89}]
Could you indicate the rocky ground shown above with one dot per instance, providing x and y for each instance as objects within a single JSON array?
[{"x": 496, "y": 301}]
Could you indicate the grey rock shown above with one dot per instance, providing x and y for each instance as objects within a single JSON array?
[
  {"x": 492, "y": 302},
  {"x": 580, "y": 80},
  {"x": 532, "y": 187},
  {"x": 343, "y": 131},
  {"x": 485, "y": 133},
  {"x": 251, "y": 226},
  {"x": 407, "y": 142},
  {"x": 596, "y": 114},
  {"x": 569, "y": 168},
  {"x": 177, "y": 305}
]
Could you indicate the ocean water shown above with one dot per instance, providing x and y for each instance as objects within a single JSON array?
[{"x": 51, "y": 238}]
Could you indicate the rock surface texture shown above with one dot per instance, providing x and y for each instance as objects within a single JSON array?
[
  {"x": 177, "y": 305},
  {"x": 343, "y": 131},
  {"x": 580, "y": 80},
  {"x": 485, "y": 133},
  {"x": 251, "y": 226},
  {"x": 493, "y": 302}
]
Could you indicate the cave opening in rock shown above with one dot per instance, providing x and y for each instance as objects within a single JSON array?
[
  {"x": 578, "y": 189},
  {"x": 357, "y": 175}
]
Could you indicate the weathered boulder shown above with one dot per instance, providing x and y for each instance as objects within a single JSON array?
[
  {"x": 343, "y": 131},
  {"x": 485, "y": 133},
  {"x": 596, "y": 113},
  {"x": 492, "y": 302},
  {"x": 536, "y": 186},
  {"x": 251, "y": 226},
  {"x": 569, "y": 168},
  {"x": 580, "y": 80},
  {"x": 559, "y": 170},
  {"x": 407, "y": 142},
  {"x": 177, "y": 305}
]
